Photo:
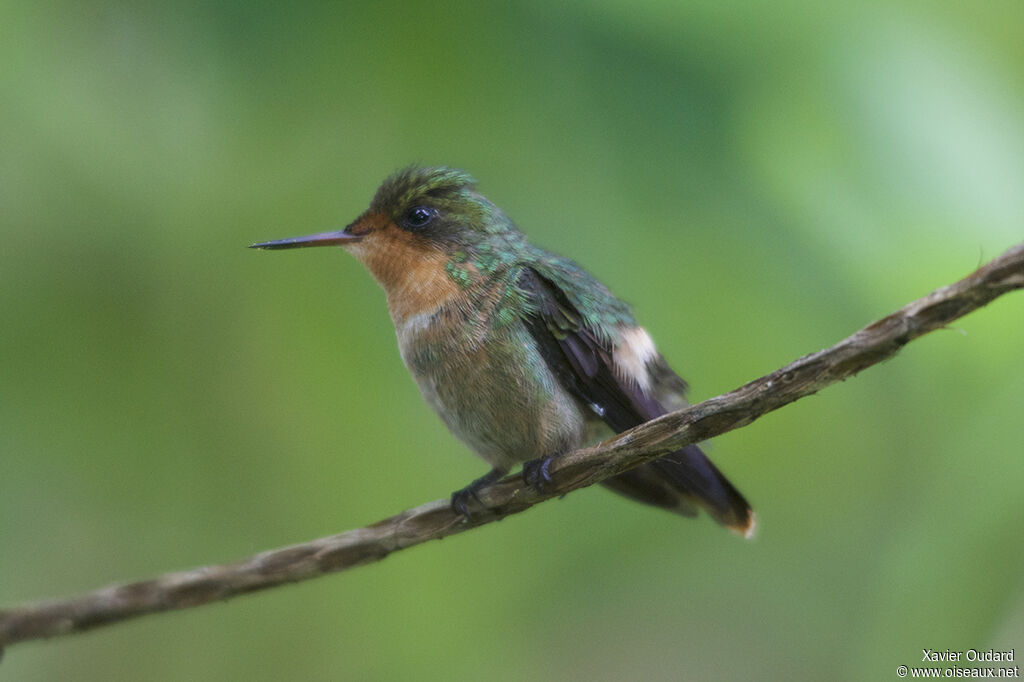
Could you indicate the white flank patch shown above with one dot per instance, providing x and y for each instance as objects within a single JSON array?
[{"x": 632, "y": 354}]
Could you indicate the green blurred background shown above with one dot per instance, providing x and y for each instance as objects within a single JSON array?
[{"x": 759, "y": 179}]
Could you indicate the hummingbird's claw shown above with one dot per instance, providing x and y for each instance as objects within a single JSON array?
[
  {"x": 460, "y": 501},
  {"x": 461, "y": 498},
  {"x": 537, "y": 474}
]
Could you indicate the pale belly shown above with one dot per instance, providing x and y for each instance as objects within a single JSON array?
[{"x": 494, "y": 392}]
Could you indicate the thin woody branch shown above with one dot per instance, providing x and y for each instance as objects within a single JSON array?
[{"x": 876, "y": 342}]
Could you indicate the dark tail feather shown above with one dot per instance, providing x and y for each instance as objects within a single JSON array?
[{"x": 683, "y": 482}]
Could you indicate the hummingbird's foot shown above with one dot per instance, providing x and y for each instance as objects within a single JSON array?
[
  {"x": 460, "y": 501},
  {"x": 461, "y": 498},
  {"x": 536, "y": 473}
]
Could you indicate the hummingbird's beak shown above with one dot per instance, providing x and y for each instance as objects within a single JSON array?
[{"x": 339, "y": 238}]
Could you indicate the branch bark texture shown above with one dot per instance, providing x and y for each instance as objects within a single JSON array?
[{"x": 170, "y": 591}]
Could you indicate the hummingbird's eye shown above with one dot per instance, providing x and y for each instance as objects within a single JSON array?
[{"x": 419, "y": 217}]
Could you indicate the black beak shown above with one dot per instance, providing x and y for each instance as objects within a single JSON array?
[{"x": 339, "y": 238}]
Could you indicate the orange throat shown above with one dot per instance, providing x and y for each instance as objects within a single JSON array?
[{"x": 412, "y": 275}]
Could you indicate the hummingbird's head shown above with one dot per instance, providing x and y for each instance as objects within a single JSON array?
[
  {"x": 418, "y": 234},
  {"x": 437, "y": 204}
]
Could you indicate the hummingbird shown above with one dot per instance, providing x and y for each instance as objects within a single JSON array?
[{"x": 522, "y": 353}]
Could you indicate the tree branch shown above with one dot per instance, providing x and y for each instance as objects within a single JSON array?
[{"x": 876, "y": 342}]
